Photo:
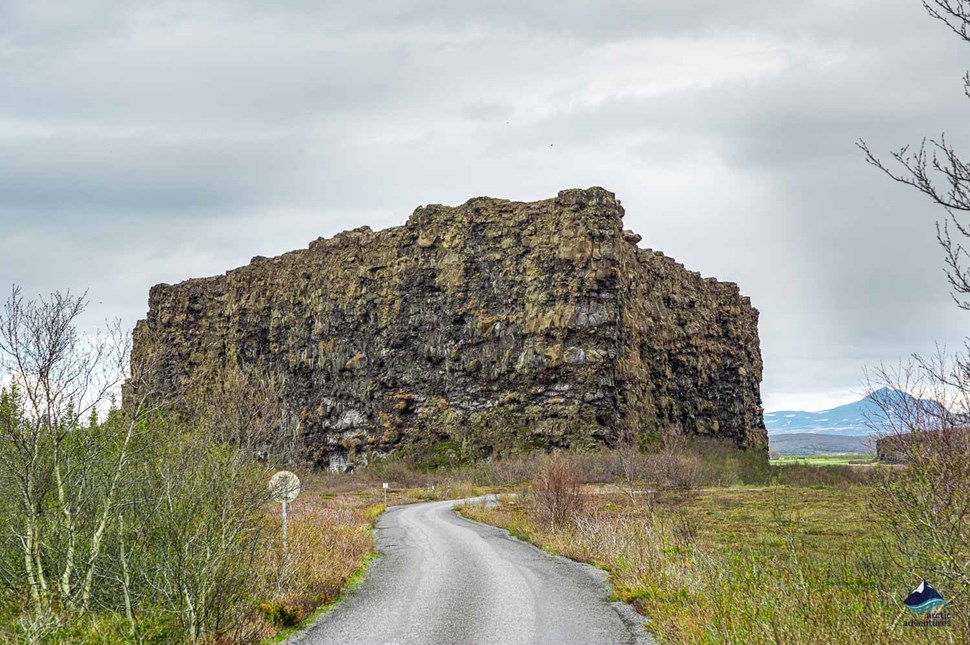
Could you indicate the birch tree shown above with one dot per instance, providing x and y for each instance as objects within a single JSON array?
[{"x": 63, "y": 465}]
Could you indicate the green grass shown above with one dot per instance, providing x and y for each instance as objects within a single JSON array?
[
  {"x": 743, "y": 564},
  {"x": 825, "y": 460},
  {"x": 826, "y": 520},
  {"x": 95, "y": 629}
]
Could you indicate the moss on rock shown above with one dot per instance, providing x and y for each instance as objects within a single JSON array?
[{"x": 493, "y": 326}]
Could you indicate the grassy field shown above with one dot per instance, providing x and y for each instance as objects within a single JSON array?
[
  {"x": 719, "y": 564},
  {"x": 710, "y": 548},
  {"x": 740, "y": 564},
  {"x": 826, "y": 460},
  {"x": 793, "y": 557}
]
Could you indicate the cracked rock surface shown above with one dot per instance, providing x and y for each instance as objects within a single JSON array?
[{"x": 481, "y": 329}]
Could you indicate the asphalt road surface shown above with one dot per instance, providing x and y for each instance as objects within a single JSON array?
[{"x": 445, "y": 579}]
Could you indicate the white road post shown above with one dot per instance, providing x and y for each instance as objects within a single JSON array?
[
  {"x": 385, "y": 496},
  {"x": 284, "y": 491},
  {"x": 284, "y": 487}
]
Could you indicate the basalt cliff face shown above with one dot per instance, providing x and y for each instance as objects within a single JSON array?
[{"x": 486, "y": 328}]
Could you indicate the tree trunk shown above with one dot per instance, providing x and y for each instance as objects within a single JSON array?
[{"x": 105, "y": 516}]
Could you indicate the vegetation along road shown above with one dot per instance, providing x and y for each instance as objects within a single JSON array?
[{"x": 445, "y": 579}]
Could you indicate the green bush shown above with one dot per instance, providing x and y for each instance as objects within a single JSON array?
[{"x": 279, "y": 614}]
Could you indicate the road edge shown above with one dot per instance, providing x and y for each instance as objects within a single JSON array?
[
  {"x": 635, "y": 623},
  {"x": 295, "y": 634}
]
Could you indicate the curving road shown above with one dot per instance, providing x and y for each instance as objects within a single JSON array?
[{"x": 445, "y": 579}]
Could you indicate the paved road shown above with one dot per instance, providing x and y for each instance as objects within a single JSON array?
[{"x": 444, "y": 579}]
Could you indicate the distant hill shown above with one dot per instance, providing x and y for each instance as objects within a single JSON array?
[
  {"x": 806, "y": 443},
  {"x": 850, "y": 420}
]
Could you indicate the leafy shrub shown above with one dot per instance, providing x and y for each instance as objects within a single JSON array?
[
  {"x": 279, "y": 614},
  {"x": 724, "y": 464}
]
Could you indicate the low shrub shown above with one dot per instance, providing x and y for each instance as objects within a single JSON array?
[
  {"x": 556, "y": 490},
  {"x": 505, "y": 471},
  {"x": 373, "y": 512},
  {"x": 678, "y": 471},
  {"x": 397, "y": 472},
  {"x": 808, "y": 475},
  {"x": 279, "y": 614},
  {"x": 676, "y": 462}
]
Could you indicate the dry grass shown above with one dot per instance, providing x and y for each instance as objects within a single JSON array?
[
  {"x": 745, "y": 564},
  {"x": 625, "y": 528},
  {"x": 329, "y": 540}
]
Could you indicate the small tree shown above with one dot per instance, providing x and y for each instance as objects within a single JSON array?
[
  {"x": 924, "y": 505},
  {"x": 674, "y": 465},
  {"x": 135, "y": 509},
  {"x": 244, "y": 406},
  {"x": 51, "y": 459},
  {"x": 195, "y": 526}
]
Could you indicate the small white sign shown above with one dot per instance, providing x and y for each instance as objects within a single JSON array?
[
  {"x": 284, "y": 486},
  {"x": 385, "y": 485}
]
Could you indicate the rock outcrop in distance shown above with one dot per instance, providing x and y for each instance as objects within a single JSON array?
[{"x": 482, "y": 329}]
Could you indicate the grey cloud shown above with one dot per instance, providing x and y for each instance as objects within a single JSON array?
[
  {"x": 140, "y": 175},
  {"x": 147, "y": 143}
]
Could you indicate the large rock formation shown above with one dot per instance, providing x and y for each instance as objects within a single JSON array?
[{"x": 489, "y": 327}]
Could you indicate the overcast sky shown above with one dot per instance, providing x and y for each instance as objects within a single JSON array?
[{"x": 146, "y": 142}]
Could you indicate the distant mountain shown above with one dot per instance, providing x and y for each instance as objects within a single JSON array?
[
  {"x": 806, "y": 443},
  {"x": 850, "y": 420}
]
